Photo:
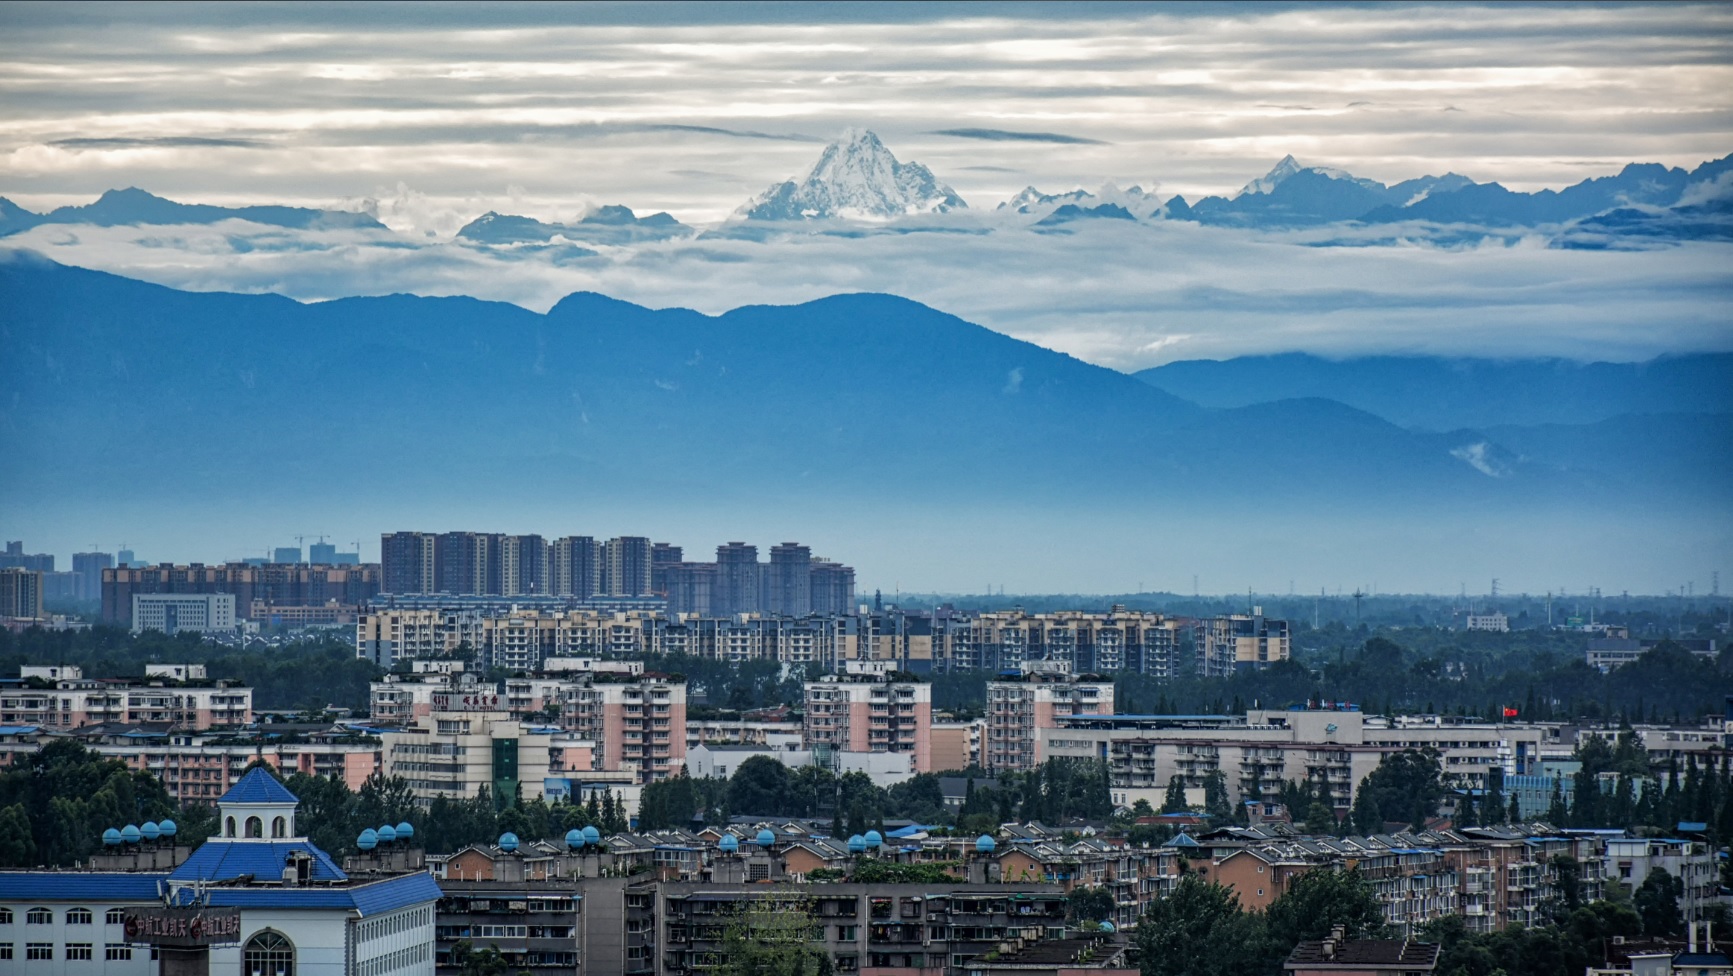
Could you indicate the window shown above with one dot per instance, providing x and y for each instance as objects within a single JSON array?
[
  {"x": 117, "y": 916},
  {"x": 268, "y": 954},
  {"x": 255, "y": 827},
  {"x": 39, "y": 950},
  {"x": 279, "y": 827},
  {"x": 117, "y": 953},
  {"x": 5, "y": 950},
  {"x": 39, "y": 916},
  {"x": 78, "y": 916},
  {"x": 5, "y": 916},
  {"x": 78, "y": 950},
  {"x": 229, "y": 827}
]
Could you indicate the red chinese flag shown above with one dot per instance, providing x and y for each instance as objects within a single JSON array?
[{"x": 1510, "y": 713}]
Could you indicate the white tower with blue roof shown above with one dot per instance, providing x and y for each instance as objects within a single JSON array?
[{"x": 258, "y": 808}]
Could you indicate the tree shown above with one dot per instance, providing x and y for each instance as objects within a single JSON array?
[
  {"x": 1318, "y": 901},
  {"x": 759, "y": 786},
  {"x": 1406, "y": 787},
  {"x": 1657, "y": 903},
  {"x": 1089, "y": 904},
  {"x": 17, "y": 846},
  {"x": 1200, "y": 930},
  {"x": 1174, "y": 801},
  {"x": 1215, "y": 795},
  {"x": 773, "y": 936},
  {"x": 470, "y": 961}
]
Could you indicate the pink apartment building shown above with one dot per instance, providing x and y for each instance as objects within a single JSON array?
[
  {"x": 871, "y": 709},
  {"x": 636, "y": 722}
]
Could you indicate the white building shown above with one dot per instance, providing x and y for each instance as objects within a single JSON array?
[
  {"x": 172, "y": 613},
  {"x": 298, "y": 912},
  {"x": 1495, "y": 622}
]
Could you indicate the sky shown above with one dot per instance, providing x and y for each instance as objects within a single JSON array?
[{"x": 429, "y": 115}]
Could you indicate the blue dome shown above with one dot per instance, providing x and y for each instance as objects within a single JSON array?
[
  {"x": 766, "y": 838},
  {"x": 168, "y": 828},
  {"x": 111, "y": 837},
  {"x": 368, "y": 840},
  {"x": 508, "y": 841},
  {"x": 856, "y": 844},
  {"x": 386, "y": 834},
  {"x": 729, "y": 843},
  {"x": 405, "y": 830},
  {"x": 986, "y": 844},
  {"x": 1106, "y": 926},
  {"x": 150, "y": 830},
  {"x": 874, "y": 838},
  {"x": 129, "y": 833},
  {"x": 574, "y": 838},
  {"x": 592, "y": 835}
]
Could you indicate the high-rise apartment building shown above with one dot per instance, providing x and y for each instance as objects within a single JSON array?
[
  {"x": 1021, "y": 707},
  {"x": 267, "y": 585},
  {"x": 788, "y": 580},
  {"x": 322, "y": 554},
  {"x": 832, "y": 587},
  {"x": 626, "y": 566},
  {"x": 466, "y": 562},
  {"x": 1240, "y": 641},
  {"x": 16, "y": 558},
  {"x": 662, "y": 556},
  {"x": 286, "y": 554},
  {"x": 20, "y": 593},
  {"x": 739, "y": 580},
  {"x": 871, "y": 709},
  {"x": 406, "y": 561},
  {"x": 87, "y": 570},
  {"x": 576, "y": 569},
  {"x": 523, "y": 566}
]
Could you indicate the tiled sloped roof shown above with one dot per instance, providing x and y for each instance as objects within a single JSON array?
[
  {"x": 258, "y": 786},
  {"x": 23, "y": 886},
  {"x": 226, "y": 860}
]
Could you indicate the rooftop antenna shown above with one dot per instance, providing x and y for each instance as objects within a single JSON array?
[
  {"x": 1495, "y": 587},
  {"x": 1715, "y": 583},
  {"x": 1358, "y": 596}
]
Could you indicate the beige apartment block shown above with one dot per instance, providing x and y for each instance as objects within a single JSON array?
[
  {"x": 467, "y": 743},
  {"x": 957, "y": 745},
  {"x": 1020, "y": 709},
  {"x": 74, "y": 702}
]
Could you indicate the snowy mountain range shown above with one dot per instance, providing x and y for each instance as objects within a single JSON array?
[{"x": 858, "y": 180}]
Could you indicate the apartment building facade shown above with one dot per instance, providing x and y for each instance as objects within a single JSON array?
[
  {"x": 1021, "y": 707},
  {"x": 467, "y": 743},
  {"x": 20, "y": 593},
  {"x": 870, "y": 709},
  {"x": 74, "y": 701},
  {"x": 637, "y": 722}
]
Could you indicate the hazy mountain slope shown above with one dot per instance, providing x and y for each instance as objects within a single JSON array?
[
  {"x": 135, "y": 206},
  {"x": 117, "y": 385},
  {"x": 1447, "y": 394}
]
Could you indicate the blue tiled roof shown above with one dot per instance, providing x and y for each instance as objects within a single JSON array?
[
  {"x": 225, "y": 860},
  {"x": 17, "y": 729},
  {"x": 21, "y": 886},
  {"x": 258, "y": 786},
  {"x": 366, "y": 900}
]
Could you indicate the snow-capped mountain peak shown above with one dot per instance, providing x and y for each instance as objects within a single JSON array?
[
  {"x": 1267, "y": 182},
  {"x": 1289, "y": 166},
  {"x": 855, "y": 177}
]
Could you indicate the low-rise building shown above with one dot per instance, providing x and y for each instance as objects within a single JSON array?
[
  {"x": 73, "y": 702},
  {"x": 172, "y": 613},
  {"x": 469, "y": 742}
]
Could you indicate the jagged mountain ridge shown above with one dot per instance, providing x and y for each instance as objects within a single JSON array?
[{"x": 855, "y": 177}]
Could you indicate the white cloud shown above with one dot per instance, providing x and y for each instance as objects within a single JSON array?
[{"x": 1121, "y": 294}]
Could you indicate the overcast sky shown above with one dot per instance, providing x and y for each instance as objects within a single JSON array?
[
  {"x": 692, "y": 108},
  {"x": 429, "y": 115}
]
